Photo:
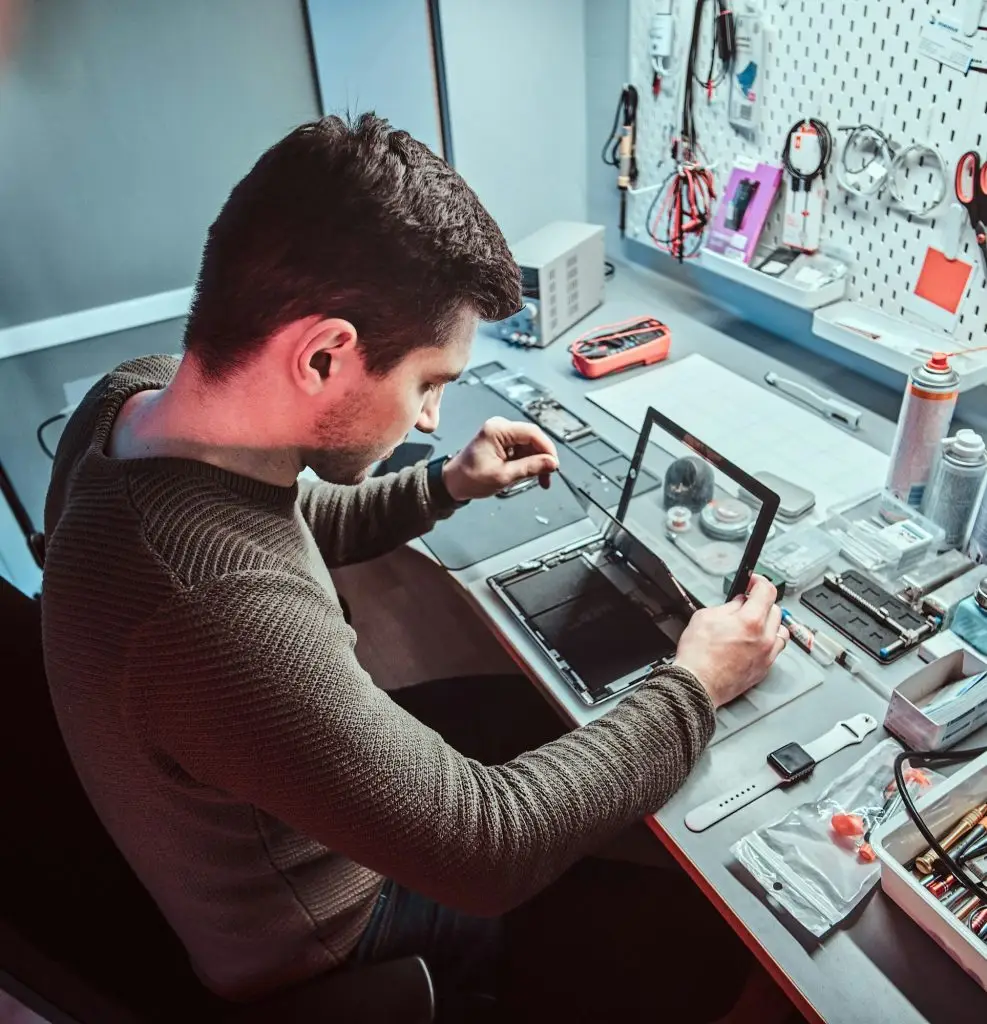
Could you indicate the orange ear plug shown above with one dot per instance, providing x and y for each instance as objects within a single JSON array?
[{"x": 848, "y": 825}]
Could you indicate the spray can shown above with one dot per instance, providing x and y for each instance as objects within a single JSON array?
[
  {"x": 977, "y": 548},
  {"x": 951, "y": 497},
  {"x": 926, "y": 412}
]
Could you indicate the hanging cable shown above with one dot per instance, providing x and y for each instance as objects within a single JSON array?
[
  {"x": 864, "y": 167},
  {"x": 40, "y": 433},
  {"x": 802, "y": 180},
  {"x": 920, "y": 153}
]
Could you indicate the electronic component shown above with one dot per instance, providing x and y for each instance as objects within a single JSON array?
[
  {"x": 786, "y": 765},
  {"x": 792, "y": 762},
  {"x": 562, "y": 271},
  {"x": 878, "y": 622},
  {"x": 557, "y": 420},
  {"x": 639, "y": 341},
  {"x": 523, "y": 327},
  {"x": 607, "y": 609}
]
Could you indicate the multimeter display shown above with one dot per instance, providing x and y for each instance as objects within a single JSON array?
[{"x": 638, "y": 342}]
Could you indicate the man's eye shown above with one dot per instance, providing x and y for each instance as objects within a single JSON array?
[{"x": 433, "y": 387}]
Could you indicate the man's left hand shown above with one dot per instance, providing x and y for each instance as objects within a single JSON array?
[{"x": 501, "y": 454}]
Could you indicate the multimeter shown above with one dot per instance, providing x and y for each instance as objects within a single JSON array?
[{"x": 614, "y": 347}]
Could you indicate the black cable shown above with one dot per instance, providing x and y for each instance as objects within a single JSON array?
[
  {"x": 627, "y": 104},
  {"x": 40, "y": 433},
  {"x": 931, "y": 758},
  {"x": 608, "y": 270},
  {"x": 800, "y": 180}
]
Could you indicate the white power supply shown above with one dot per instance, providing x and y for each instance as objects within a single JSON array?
[{"x": 562, "y": 279}]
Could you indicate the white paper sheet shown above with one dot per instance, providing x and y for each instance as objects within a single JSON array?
[{"x": 754, "y": 428}]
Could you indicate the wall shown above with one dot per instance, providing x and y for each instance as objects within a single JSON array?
[
  {"x": 124, "y": 127},
  {"x": 516, "y": 77},
  {"x": 606, "y": 28},
  {"x": 377, "y": 55}
]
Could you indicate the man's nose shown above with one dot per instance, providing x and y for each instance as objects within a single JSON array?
[{"x": 428, "y": 418}]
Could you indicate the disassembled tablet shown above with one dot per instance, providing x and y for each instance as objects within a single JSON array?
[{"x": 607, "y": 609}]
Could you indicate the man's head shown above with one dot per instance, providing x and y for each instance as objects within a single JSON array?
[{"x": 346, "y": 272}]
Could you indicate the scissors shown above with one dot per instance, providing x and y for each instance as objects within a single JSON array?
[{"x": 971, "y": 191}]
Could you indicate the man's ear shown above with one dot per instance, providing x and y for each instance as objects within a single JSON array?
[{"x": 322, "y": 351}]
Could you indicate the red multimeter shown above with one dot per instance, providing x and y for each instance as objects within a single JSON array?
[{"x": 610, "y": 348}]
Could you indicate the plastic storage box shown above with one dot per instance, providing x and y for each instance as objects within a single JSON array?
[{"x": 897, "y": 841}]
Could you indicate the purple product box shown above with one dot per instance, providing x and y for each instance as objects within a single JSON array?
[{"x": 743, "y": 211}]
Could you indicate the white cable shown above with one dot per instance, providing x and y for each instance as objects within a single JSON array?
[
  {"x": 899, "y": 166},
  {"x": 872, "y": 177}
]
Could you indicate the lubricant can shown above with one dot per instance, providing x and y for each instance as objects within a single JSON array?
[
  {"x": 955, "y": 484},
  {"x": 926, "y": 412}
]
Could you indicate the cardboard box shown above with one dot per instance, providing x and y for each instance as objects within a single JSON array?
[{"x": 912, "y": 726}]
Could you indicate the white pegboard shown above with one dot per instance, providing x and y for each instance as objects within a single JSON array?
[{"x": 844, "y": 62}]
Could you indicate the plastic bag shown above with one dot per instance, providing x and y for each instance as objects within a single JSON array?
[{"x": 815, "y": 861}]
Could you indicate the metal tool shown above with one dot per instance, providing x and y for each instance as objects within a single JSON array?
[
  {"x": 971, "y": 191},
  {"x": 830, "y": 407}
]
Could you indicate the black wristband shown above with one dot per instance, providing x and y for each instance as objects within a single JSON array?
[{"x": 437, "y": 489}]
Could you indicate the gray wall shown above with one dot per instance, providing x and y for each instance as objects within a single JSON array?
[
  {"x": 123, "y": 127},
  {"x": 517, "y": 91},
  {"x": 377, "y": 55}
]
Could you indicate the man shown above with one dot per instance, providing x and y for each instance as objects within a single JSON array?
[{"x": 202, "y": 670}]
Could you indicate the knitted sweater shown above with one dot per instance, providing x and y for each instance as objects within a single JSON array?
[{"x": 258, "y": 782}]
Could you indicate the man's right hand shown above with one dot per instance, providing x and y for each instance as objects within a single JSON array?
[{"x": 731, "y": 647}]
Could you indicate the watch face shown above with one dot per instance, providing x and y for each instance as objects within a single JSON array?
[{"x": 791, "y": 761}]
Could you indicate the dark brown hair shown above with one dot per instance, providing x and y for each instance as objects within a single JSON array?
[{"x": 348, "y": 219}]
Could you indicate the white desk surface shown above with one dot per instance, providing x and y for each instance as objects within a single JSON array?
[{"x": 877, "y": 967}]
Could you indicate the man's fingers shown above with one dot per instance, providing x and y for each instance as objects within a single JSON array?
[
  {"x": 531, "y": 465},
  {"x": 760, "y": 598},
  {"x": 522, "y": 435},
  {"x": 779, "y": 645},
  {"x": 774, "y": 621}
]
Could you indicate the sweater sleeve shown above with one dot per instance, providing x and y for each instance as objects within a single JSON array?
[
  {"x": 359, "y": 522},
  {"x": 251, "y": 686}
]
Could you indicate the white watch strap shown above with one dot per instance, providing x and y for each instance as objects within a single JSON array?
[
  {"x": 843, "y": 734},
  {"x": 762, "y": 781}
]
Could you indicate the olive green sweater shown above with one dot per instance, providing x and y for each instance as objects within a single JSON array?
[{"x": 256, "y": 779}]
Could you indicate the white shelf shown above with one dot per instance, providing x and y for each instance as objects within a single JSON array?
[
  {"x": 899, "y": 345},
  {"x": 94, "y": 323},
  {"x": 742, "y": 273}
]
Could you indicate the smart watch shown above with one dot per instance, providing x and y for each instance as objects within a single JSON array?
[
  {"x": 786, "y": 765},
  {"x": 437, "y": 486}
]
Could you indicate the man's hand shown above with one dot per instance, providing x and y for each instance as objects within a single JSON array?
[
  {"x": 730, "y": 648},
  {"x": 501, "y": 454}
]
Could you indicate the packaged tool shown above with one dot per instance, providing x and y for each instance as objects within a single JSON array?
[
  {"x": 640, "y": 341},
  {"x": 800, "y": 556},
  {"x": 815, "y": 861}
]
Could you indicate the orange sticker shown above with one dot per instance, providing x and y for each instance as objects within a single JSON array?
[{"x": 943, "y": 281}]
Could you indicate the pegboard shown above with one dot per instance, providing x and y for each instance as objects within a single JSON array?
[{"x": 844, "y": 62}]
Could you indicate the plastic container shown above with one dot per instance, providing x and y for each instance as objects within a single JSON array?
[
  {"x": 883, "y": 536},
  {"x": 800, "y": 556},
  {"x": 898, "y": 841},
  {"x": 970, "y": 621}
]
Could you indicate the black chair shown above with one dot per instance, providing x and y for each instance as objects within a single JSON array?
[{"x": 81, "y": 941}]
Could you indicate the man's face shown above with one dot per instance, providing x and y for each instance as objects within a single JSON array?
[{"x": 374, "y": 414}]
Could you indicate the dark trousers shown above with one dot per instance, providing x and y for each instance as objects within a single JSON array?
[{"x": 608, "y": 941}]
